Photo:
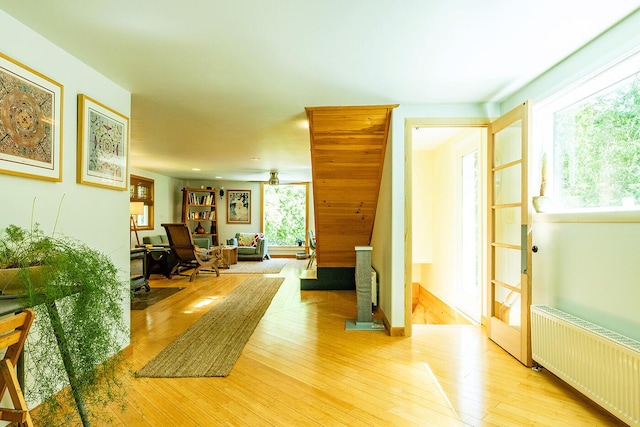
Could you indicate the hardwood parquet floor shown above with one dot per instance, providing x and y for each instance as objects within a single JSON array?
[{"x": 301, "y": 368}]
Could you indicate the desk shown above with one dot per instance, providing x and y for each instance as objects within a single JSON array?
[{"x": 229, "y": 256}]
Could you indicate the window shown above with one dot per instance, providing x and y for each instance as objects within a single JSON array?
[
  {"x": 285, "y": 213},
  {"x": 141, "y": 190},
  {"x": 591, "y": 134}
]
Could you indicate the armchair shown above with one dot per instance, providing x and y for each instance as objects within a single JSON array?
[
  {"x": 188, "y": 254},
  {"x": 160, "y": 258},
  {"x": 251, "y": 246}
]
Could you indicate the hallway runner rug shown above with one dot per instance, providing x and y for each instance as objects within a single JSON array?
[
  {"x": 268, "y": 266},
  {"x": 211, "y": 346}
]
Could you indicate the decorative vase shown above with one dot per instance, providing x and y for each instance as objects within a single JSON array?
[
  {"x": 541, "y": 203},
  {"x": 200, "y": 229}
]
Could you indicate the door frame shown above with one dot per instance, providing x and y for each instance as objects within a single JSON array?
[{"x": 410, "y": 123}]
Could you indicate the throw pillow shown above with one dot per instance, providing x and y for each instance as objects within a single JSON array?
[
  {"x": 245, "y": 239},
  {"x": 256, "y": 237}
]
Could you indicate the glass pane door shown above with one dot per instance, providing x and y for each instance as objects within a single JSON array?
[{"x": 508, "y": 251}]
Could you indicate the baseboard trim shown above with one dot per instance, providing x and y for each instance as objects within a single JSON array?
[
  {"x": 396, "y": 331},
  {"x": 436, "y": 311}
]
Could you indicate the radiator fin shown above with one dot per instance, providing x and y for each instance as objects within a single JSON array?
[{"x": 602, "y": 364}]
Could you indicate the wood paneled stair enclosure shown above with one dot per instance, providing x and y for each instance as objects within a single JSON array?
[{"x": 348, "y": 146}]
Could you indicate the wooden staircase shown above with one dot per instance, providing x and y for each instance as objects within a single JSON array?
[{"x": 348, "y": 146}]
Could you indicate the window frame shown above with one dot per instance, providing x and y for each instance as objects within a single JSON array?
[
  {"x": 306, "y": 219},
  {"x": 543, "y": 131},
  {"x": 135, "y": 182}
]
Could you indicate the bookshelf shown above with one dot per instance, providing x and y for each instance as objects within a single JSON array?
[{"x": 200, "y": 207}]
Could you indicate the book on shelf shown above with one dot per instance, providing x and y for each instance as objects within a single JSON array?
[
  {"x": 208, "y": 199},
  {"x": 206, "y": 215}
]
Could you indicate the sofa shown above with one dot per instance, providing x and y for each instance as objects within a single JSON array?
[{"x": 251, "y": 246}]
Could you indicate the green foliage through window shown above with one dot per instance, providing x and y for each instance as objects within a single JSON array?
[
  {"x": 285, "y": 212},
  {"x": 597, "y": 148}
]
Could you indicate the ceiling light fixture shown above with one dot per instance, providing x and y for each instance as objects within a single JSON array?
[{"x": 273, "y": 179}]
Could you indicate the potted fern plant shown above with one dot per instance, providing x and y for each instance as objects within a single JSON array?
[{"x": 78, "y": 297}]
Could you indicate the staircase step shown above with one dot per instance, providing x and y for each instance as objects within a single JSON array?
[{"x": 331, "y": 279}]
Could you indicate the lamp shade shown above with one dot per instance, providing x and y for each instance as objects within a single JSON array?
[{"x": 136, "y": 208}]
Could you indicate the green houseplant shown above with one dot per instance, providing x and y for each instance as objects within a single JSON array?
[{"x": 77, "y": 295}]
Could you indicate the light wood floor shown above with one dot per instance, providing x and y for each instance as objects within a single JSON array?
[{"x": 301, "y": 368}]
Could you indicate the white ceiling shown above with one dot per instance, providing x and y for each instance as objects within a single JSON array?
[{"x": 217, "y": 83}]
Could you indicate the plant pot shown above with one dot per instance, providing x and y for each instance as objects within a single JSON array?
[
  {"x": 541, "y": 203},
  {"x": 12, "y": 284}
]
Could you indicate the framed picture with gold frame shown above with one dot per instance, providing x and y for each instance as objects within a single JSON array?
[
  {"x": 239, "y": 207},
  {"x": 30, "y": 122},
  {"x": 103, "y": 145}
]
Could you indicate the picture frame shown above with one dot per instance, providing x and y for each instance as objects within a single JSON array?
[
  {"x": 238, "y": 206},
  {"x": 103, "y": 145},
  {"x": 30, "y": 122}
]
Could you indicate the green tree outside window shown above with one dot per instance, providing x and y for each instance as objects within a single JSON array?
[
  {"x": 285, "y": 212},
  {"x": 597, "y": 148}
]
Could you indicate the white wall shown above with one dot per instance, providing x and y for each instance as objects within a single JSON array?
[
  {"x": 422, "y": 207},
  {"x": 588, "y": 269},
  {"x": 591, "y": 271},
  {"x": 99, "y": 217},
  {"x": 444, "y": 192}
]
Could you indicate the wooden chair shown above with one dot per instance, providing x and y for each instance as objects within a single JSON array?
[
  {"x": 188, "y": 254},
  {"x": 13, "y": 334}
]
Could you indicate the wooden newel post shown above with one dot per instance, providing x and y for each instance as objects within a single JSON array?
[
  {"x": 364, "y": 320},
  {"x": 363, "y": 283}
]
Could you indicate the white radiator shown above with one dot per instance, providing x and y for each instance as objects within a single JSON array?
[
  {"x": 603, "y": 365},
  {"x": 374, "y": 287}
]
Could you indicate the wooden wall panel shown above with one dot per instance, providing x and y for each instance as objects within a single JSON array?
[{"x": 347, "y": 155}]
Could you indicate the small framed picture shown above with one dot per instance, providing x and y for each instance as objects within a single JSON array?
[
  {"x": 239, "y": 207},
  {"x": 30, "y": 122},
  {"x": 103, "y": 145}
]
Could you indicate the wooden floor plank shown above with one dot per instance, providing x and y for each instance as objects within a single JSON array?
[{"x": 301, "y": 368}]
